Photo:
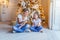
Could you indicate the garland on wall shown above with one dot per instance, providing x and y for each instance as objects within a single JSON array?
[{"x": 32, "y": 5}]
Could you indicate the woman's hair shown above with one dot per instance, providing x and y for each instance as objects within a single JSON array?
[{"x": 25, "y": 9}]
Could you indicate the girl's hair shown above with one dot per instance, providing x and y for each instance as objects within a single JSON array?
[{"x": 36, "y": 12}]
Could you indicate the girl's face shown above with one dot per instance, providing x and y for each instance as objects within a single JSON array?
[{"x": 35, "y": 16}]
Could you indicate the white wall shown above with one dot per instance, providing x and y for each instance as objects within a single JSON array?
[
  {"x": 50, "y": 15},
  {"x": 56, "y": 23},
  {"x": 9, "y": 13}
]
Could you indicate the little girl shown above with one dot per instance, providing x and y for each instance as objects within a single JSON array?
[{"x": 36, "y": 23}]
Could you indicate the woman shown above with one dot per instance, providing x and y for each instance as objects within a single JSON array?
[{"x": 22, "y": 19}]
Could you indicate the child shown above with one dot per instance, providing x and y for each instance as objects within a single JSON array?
[
  {"x": 21, "y": 25},
  {"x": 36, "y": 23}
]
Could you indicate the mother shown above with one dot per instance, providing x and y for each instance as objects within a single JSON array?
[{"x": 21, "y": 25}]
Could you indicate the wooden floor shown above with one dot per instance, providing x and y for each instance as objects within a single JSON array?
[{"x": 5, "y": 22}]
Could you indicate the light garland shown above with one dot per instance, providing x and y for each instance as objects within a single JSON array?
[
  {"x": 32, "y": 5},
  {"x": 4, "y": 2}
]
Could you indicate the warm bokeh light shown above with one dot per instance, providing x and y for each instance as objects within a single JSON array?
[{"x": 4, "y": 2}]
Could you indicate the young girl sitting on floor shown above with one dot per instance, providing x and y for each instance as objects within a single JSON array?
[{"x": 36, "y": 23}]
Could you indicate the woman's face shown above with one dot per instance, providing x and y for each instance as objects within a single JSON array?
[
  {"x": 26, "y": 13},
  {"x": 35, "y": 16}
]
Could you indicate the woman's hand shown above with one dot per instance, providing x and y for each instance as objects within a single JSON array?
[{"x": 24, "y": 22}]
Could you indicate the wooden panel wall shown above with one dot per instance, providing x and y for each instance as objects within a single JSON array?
[
  {"x": 46, "y": 5},
  {"x": 0, "y": 12}
]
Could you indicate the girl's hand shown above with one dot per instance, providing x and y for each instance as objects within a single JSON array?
[{"x": 39, "y": 24}]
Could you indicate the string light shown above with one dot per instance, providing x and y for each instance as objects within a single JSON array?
[{"x": 4, "y": 2}]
